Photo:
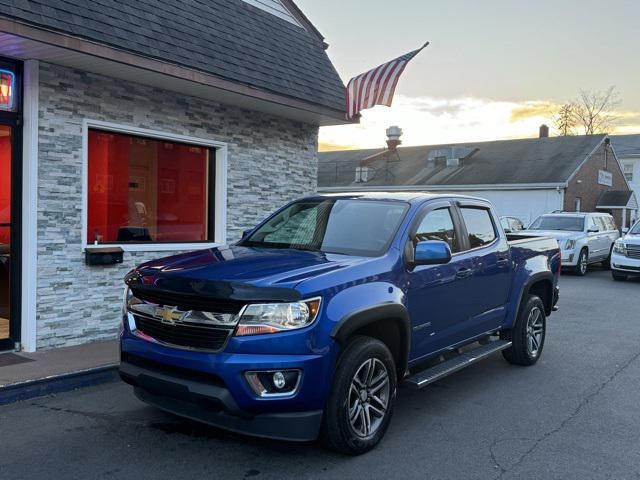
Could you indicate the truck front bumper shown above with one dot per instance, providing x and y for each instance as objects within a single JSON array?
[
  {"x": 625, "y": 265},
  {"x": 213, "y": 403}
]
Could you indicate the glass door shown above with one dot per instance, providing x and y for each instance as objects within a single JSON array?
[{"x": 5, "y": 234}]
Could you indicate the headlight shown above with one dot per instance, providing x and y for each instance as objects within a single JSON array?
[
  {"x": 126, "y": 297},
  {"x": 620, "y": 248},
  {"x": 262, "y": 318},
  {"x": 570, "y": 245}
]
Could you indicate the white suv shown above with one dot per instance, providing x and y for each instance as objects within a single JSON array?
[
  {"x": 625, "y": 259},
  {"x": 584, "y": 238}
]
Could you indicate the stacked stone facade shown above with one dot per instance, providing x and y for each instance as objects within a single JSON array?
[{"x": 271, "y": 160}]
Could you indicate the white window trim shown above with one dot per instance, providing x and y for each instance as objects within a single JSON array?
[{"x": 220, "y": 188}]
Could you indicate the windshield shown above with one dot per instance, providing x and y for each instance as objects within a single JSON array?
[
  {"x": 557, "y": 222},
  {"x": 351, "y": 227},
  {"x": 636, "y": 229}
]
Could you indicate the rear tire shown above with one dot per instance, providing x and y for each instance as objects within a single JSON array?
[
  {"x": 618, "y": 277},
  {"x": 361, "y": 402},
  {"x": 528, "y": 333},
  {"x": 583, "y": 263}
]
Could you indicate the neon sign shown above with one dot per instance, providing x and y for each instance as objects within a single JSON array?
[{"x": 7, "y": 89}]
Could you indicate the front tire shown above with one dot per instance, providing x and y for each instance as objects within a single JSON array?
[
  {"x": 362, "y": 398},
  {"x": 606, "y": 264},
  {"x": 583, "y": 263},
  {"x": 527, "y": 335}
]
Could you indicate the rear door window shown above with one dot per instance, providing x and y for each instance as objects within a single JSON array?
[
  {"x": 479, "y": 226},
  {"x": 602, "y": 225}
]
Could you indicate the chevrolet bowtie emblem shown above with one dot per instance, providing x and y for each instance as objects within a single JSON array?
[{"x": 169, "y": 315}]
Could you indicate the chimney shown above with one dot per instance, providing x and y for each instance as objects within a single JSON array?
[
  {"x": 393, "y": 137},
  {"x": 544, "y": 131}
]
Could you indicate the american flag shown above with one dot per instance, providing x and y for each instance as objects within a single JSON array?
[{"x": 377, "y": 86}]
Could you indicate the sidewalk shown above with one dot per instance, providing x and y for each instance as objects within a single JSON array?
[{"x": 28, "y": 375}]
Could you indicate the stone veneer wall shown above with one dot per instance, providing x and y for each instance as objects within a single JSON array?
[{"x": 270, "y": 161}]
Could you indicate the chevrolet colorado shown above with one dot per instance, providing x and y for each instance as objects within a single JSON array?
[{"x": 306, "y": 326}]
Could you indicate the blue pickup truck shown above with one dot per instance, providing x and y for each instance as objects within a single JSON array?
[{"x": 306, "y": 326}]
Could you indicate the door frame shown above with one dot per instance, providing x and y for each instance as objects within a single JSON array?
[{"x": 14, "y": 120}]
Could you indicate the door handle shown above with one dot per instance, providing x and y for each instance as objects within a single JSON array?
[
  {"x": 503, "y": 261},
  {"x": 464, "y": 272}
]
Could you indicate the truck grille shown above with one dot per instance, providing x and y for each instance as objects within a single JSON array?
[
  {"x": 184, "y": 334},
  {"x": 633, "y": 251},
  {"x": 188, "y": 303}
]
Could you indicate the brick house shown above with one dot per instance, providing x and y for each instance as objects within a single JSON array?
[
  {"x": 148, "y": 127},
  {"x": 523, "y": 178}
]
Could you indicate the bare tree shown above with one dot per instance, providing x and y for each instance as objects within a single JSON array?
[
  {"x": 594, "y": 110},
  {"x": 565, "y": 119}
]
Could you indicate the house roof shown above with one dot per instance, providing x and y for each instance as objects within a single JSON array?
[
  {"x": 227, "y": 38},
  {"x": 617, "y": 198},
  {"x": 626, "y": 145},
  {"x": 526, "y": 161}
]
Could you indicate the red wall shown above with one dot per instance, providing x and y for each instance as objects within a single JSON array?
[{"x": 5, "y": 183}]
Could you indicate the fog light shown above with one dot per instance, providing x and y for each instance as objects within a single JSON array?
[
  {"x": 273, "y": 382},
  {"x": 279, "y": 380}
]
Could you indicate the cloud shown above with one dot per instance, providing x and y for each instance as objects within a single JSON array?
[
  {"x": 432, "y": 121},
  {"x": 533, "y": 109}
]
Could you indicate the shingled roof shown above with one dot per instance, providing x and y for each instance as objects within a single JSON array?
[
  {"x": 526, "y": 161},
  {"x": 227, "y": 38}
]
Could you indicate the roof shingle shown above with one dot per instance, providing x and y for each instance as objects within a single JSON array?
[
  {"x": 227, "y": 38},
  {"x": 525, "y": 161}
]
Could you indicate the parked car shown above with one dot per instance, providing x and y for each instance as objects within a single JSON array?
[
  {"x": 511, "y": 224},
  {"x": 625, "y": 260},
  {"x": 306, "y": 326},
  {"x": 584, "y": 238}
]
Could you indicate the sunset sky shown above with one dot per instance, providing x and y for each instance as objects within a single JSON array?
[{"x": 495, "y": 69}]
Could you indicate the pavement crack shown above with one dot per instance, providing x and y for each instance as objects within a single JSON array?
[
  {"x": 576, "y": 411},
  {"x": 91, "y": 415}
]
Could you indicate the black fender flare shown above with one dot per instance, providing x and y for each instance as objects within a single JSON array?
[
  {"x": 535, "y": 278},
  {"x": 394, "y": 312}
]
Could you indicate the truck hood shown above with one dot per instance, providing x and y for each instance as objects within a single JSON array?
[
  {"x": 557, "y": 234},
  {"x": 632, "y": 238},
  {"x": 237, "y": 273}
]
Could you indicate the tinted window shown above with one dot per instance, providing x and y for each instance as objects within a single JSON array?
[
  {"x": 636, "y": 229},
  {"x": 438, "y": 225},
  {"x": 517, "y": 225},
  {"x": 479, "y": 226},
  {"x": 148, "y": 190},
  {"x": 352, "y": 227},
  {"x": 557, "y": 222},
  {"x": 611, "y": 224},
  {"x": 601, "y": 224}
]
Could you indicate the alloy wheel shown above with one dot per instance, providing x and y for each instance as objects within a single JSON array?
[
  {"x": 583, "y": 263},
  {"x": 368, "y": 397},
  {"x": 535, "y": 331}
]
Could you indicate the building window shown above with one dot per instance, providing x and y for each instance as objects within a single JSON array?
[
  {"x": 143, "y": 190},
  {"x": 577, "y": 204},
  {"x": 627, "y": 168}
]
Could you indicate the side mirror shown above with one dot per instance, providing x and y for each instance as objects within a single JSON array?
[
  {"x": 432, "y": 252},
  {"x": 246, "y": 233},
  {"x": 625, "y": 231},
  {"x": 593, "y": 230}
]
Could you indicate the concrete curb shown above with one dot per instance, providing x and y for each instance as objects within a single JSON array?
[{"x": 16, "y": 392}]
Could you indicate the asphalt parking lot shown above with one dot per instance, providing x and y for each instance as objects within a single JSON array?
[{"x": 576, "y": 414}]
